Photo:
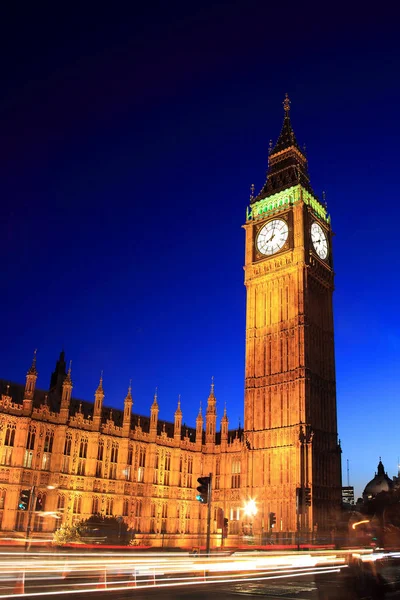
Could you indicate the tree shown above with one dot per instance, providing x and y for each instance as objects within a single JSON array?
[
  {"x": 107, "y": 530},
  {"x": 97, "y": 529},
  {"x": 67, "y": 534}
]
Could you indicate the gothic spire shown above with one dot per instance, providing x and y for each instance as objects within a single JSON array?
[
  {"x": 200, "y": 415},
  {"x": 100, "y": 386},
  {"x": 287, "y": 163},
  {"x": 32, "y": 370},
  {"x": 129, "y": 394},
  {"x": 212, "y": 386},
  {"x": 155, "y": 403},
  {"x": 286, "y": 137},
  {"x": 68, "y": 375}
]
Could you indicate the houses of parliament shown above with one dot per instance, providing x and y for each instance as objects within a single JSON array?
[{"x": 82, "y": 458}]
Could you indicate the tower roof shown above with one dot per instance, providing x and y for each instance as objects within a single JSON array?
[
  {"x": 286, "y": 137},
  {"x": 32, "y": 369},
  {"x": 287, "y": 163},
  {"x": 380, "y": 483}
]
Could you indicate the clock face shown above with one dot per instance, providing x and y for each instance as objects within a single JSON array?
[
  {"x": 319, "y": 240},
  {"x": 272, "y": 237}
]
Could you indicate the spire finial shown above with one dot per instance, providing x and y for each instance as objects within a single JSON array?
[
  {"x": 225, "y": 408},
  {"x": 212, "y": 385},
  {"x": 100, "y": 386},
  {"x": 286, "y": 105},
  {"x": 129, "y": 394},
  {"x": 200, "y": 414},
  {"x": 179, "y": 400},
  {"x": 252, "y": 188},
  {"x": 67, "y": 379},
  {"x": 270, "y": 146},
  {"x": 32, "y": 369}
]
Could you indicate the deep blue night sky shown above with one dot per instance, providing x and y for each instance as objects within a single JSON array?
[{"x": 129, "y": 142}]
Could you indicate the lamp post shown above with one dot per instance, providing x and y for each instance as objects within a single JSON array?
[{"x": 250, "y": 509}]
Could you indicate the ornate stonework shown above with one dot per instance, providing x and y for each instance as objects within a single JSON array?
[
  {"x": 84, "y": 458},
  {"x": 290, "y": 396}
]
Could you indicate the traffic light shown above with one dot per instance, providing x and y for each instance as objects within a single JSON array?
[
  {"x": 24, "y": 497},
  {"x": 299, "y": 501},
  {"x": 39, "y": 503},
  {"x": 307, "y": 496},
  {"x": 272, "y": 520},
  {"x": 225, "y": 528},
  {"x": 203, "y": 489}
]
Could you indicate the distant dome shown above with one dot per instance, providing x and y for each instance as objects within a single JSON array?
[{"x": 380, "y": 483}]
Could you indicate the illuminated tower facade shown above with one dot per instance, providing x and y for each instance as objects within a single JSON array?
[{"x": 290, "y": 391}]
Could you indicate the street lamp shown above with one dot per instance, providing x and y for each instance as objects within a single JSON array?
[{"x": 250, "y": 509}]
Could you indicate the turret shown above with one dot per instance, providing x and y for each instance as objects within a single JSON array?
[
  {"x": 211, "y": 416},
  {"x": 128, "y": 403},
  {"x": 154, "y": 416},
  {"x": 66, "y": 395},
  {"x": 178, "y": 422},
  {"x": 199, "y": 429},
  {"x": 98, "y": 404},
  {"x": 224, "y": 428},
  {"x": 31, "y": 378},
  {"x": 58, "y": 375}
]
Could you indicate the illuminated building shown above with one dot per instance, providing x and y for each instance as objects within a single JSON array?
[
  {"x": 84, "y": 458},
  {"x": 348, "y": 495},
  {"x": 290, "y": 391}
]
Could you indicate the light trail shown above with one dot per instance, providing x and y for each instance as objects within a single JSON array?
[
  {"x": 178, "y": 583},
  {"x": 49, "y": 573}
]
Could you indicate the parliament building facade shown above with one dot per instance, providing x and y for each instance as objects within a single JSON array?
[{"x": 81, "y": 458}]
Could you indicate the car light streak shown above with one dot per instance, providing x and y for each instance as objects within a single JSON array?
[
  {"x": 48, "y": 573},
  {"x": 114, "y": 587}
]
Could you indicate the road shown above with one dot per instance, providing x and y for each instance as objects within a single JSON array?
[
  {"x": 293, "y": 576},
  {"x": 297, "y": 588}
]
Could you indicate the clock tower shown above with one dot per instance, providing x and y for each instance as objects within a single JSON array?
[{"x": 294, "y": 468}]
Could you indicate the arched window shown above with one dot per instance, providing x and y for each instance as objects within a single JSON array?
[
  {"x": 100, "y": 456},
  {"x": 2, "y": 498},
  {"x": 67, "y": 453},
  {"x": 142, "y": 464},
  {"x": 47, "y": 450},
  {"x": 167, "y": 468},
  {"x": 81, "y": 469},
  {"x": 30, "y": 441},
  {"x": 8, "y": 445},
  {"x": 77, "y": 505},
  {"x": 109, "y": 506},
  {"x": 10, "y": 435},
  {"x": 113, "y": 461},
  {"x": 95, "y": 506},
  {"x": 83, "y": 448},
  {"x": 30, "y": 445},
  {"x": 125, "y": 509}
]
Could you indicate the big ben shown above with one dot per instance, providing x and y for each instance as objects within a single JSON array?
[{"x": 294, "y": 469}]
